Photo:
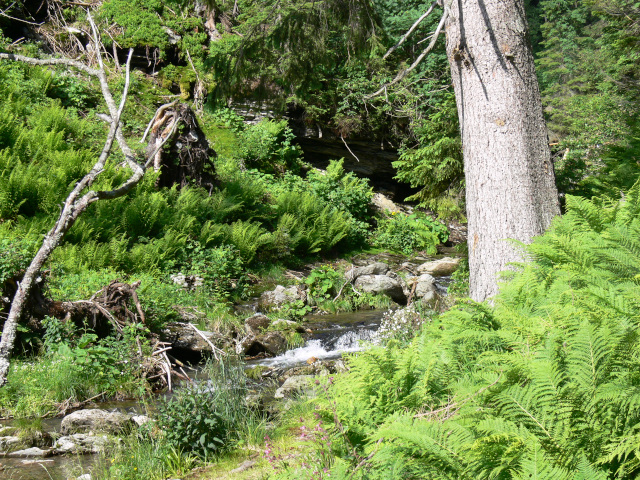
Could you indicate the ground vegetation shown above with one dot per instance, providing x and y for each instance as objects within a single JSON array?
[{"x": 541, "y": 384}]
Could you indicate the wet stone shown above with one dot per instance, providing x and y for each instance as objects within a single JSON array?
[
  {"x": 30, "y": 452},
  {"x": 299, "y": 385},
  {"x": 281, "y": 295},
  {"x": 382, "y": 284},
  {"x": 440, "y": 268},
  {"x": 96, "y": 420},
  {"x": 80, "y": 443},
  {"x": 257, "y": 323},
  {"x": 9, "y": 443},
  {"x": 377, "y": 268}
]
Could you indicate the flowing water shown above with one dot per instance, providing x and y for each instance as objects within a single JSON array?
[{"x": 332, "y": 336}]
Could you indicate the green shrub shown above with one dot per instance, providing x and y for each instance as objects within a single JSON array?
[
  {"x": 324, "y": 284},
  {"x": 221, "y": 268},
  {"x": 204, "y": 418},
  {"x": 15, "y": 256},
  {"x": 343, "y": 190},
  {"x": 407, "y": 233},
  {"x": 436, "y": 166},
  {"x": 80, "y": 366},
  {"x": 268, "y": 146}
]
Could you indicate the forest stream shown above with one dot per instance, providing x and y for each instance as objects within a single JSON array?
[{"x": 332, "y": 336}]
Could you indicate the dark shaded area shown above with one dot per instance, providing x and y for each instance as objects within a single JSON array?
[{"x": 186, "y": 158}]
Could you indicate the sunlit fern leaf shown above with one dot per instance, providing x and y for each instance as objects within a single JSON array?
[{"x": 536, "y": 465}]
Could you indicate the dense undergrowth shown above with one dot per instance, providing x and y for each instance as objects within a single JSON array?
[
  {"x": 268, "y": 212},
  {"x": 541, "y": 385}
]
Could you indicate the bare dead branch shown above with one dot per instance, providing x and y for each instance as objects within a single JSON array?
[
  {"x": 3, "y": 13},
  {"x": 418, "y": 60},
  {"x": 410, "y": 31},
  {"x": 160, "y": 110},
  {"x": 50, "y": 61},
  {"x": 214, "y": 349},
  {"x": 345, "y": 144},
  {"x": 76, "y": 202}
]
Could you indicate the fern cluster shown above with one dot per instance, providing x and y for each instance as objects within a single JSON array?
[{"x": 545, "y": 384}]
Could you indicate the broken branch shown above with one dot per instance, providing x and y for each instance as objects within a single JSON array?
[{"x": 417, "y": 62}]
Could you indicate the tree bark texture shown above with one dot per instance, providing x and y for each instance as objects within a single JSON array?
[{"x": 510, "y": 184}]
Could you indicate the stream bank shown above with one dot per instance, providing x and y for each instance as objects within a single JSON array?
[{"x": 275, "y": 378}]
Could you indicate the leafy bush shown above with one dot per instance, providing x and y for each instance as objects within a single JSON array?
[
  {"x": 268, "y": 146},
  {"x": 76, "y": 366},
  {"x": 15, "y": 256},
  {"x": 204, "y": 418},
  {"x": 436, "y": 166},
  {"x": 407, "y": 233},
  {"x": 343, "y": 190},
  {"x": 221, "y": 268}
]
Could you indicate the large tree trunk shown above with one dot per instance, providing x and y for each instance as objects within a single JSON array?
[{"x": 511, "y": 192}]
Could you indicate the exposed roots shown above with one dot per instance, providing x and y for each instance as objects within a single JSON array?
[{"x": 187, "y": 156}]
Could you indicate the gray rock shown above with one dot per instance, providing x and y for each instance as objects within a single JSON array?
[
  {"x": 8, "y": 443},
  {"x": 316, "y": 368},
  {"x": 382, "y": 284},
  {"x": 96, "y": 420},
  {"x": 183, "y": 337},
  {"x": 188, "y": 282},
  {"x": 424, "y": 285},
  {"x": 273, "y": 343},
  {"x": 377, "y": 268},
  {"x": 440, "y": 268},
  {"x": 281, "y": 295},
  {"x": 86, "y": 476},
  {"x": 384, "y": 204},
  {"x": 299, "y": 385},
  {"x": 257, "y": 323},
  {"x": 80, "y": 443},
  {"x": 425, "y": 289},
  {"x": 140, "y": 420},
  {"x": 30, "y": 452}
]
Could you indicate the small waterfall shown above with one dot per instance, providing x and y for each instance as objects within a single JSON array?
[{"x": 332, "y": 337}]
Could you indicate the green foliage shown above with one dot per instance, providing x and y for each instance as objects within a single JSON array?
[
  {"x": 146, "y": 23},
  {"x": 77, "y": 365},
  {"x": 587, "y": 68},
  {"x": 324, "y": 283},
  {"x": 436, "y": 165},
  {"x": 344, "y": 191},
  {"x": 15, "y": 256},
  {"x": 221, "y": 268},
  {"x": 407, "y": 233},
  {"x": 268, "y": 146},
  {"x": 143, "y": 457},
  {"x": 311, "y": 226},
  {"x": 56, "y": 333},
  {"x": 295, "y": 310},
  {"x": 541, "y": 385},
  {"x": 204, "y": 418},
  {"x": 73, "y": 92}
]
